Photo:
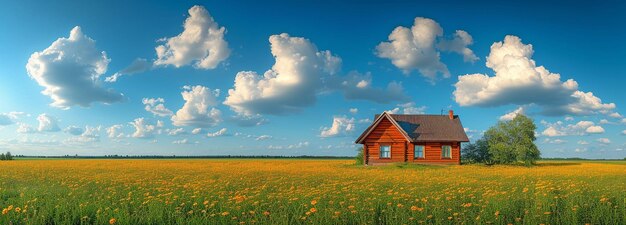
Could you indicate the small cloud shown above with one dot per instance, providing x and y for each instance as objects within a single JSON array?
[
  {"x": 354, "y": 110},
  {"x": 143, "y": 129},
  {"x": 176, "y": 132},
  {"x": 198, "y": 109},
  {"x": 181, "y": 142},
  {"x": 263, "y": 137},
  {"x": 341, "y": 125},
  {"x": 605, "y": 141},
  {"x": 511, "y": 115},
  {"x": 74, "y": 130},
  {"x": 218, "y": 133},
  {"x": 408, "y": 108},
  {"x": 615, "y": 115},
  {"x": 594, "y": 130},
  {"x": 137, "y": 66},
  {"x": 156, "y": 107},
  {"x": 25, "y": 129},
  {"x": 47, "y": 123}
]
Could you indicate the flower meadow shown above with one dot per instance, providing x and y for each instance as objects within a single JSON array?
[{"x": 307, "y": 191}]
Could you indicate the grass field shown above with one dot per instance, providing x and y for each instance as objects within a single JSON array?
[{"x": 227, "y": 191}]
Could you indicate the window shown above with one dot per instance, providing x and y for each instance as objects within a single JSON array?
[
  {"x": 446, "y": 151},
  {"x": 418, "y": 151},
  {"x": 385, "y": 151}
]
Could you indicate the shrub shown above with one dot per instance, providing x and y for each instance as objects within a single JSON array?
[{"x": 359, "y": 157}]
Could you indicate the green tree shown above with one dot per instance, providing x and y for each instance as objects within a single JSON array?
[
  {"x": 8, "y": 156},
  {"x": 2, "y": 157},
  {"x": 360, "y": 160},
  {"x": 513, "y": 141},
  {"x": 477, "y": 152}
]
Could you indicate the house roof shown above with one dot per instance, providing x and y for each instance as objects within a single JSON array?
[{"x": 423, "y": 128}]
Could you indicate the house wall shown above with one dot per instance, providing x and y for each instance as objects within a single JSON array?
[
  {"x": 387, "y": 134},
  {"x": 432, "y": 153}
]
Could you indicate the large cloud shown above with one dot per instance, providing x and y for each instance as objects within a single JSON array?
[
  {"x": 290, "y": 85},
  {"x": 70, "y": 69},
  {"x": 519, "y": 81},
  {"x": 198, "y": 109},
  {"x": 47, "y": 123},
  {"x": 342, "y": 125},
  {"x": 202, "y": 41},
  {"x": 417, "y": 48}
]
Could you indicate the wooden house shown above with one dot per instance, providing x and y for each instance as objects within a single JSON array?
[{"x": 429, "y": 139}]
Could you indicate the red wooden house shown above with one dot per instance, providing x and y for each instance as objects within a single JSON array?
[{"x": 413, "y": 138}]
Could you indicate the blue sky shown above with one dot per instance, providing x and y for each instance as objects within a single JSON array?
[{"x": 332, "y": 66}]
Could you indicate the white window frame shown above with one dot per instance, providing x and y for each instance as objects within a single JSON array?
[
  {"x": 380, "y": 151},
  {"x": 443, "y": 156},
  {"x": 423, "y": 151}
]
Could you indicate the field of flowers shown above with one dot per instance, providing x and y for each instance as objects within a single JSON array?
[{"x": 242, "y": 191}]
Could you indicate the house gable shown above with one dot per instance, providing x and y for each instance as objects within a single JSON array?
[{"x": 384, "y": 128}]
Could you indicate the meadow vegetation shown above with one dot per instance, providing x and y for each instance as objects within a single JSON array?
[{"x": 292, "y": 191}]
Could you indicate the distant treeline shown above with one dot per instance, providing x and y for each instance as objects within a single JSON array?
[{"x": 186, "y": 157}]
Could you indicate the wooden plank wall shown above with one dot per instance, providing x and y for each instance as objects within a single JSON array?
[{"x": 385, "y": 134}]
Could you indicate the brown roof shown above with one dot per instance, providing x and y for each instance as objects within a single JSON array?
[{"x": 423, "y": 128}]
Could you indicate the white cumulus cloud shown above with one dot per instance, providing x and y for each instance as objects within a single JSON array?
[
  {"x": 25, "y": 128},
  {"x": 74, "y": 130},
  {"x": 9, "y": 118},
  {"x": 218, "y": 133},
  {"x": 198, "y": 109},
  {"x": 263, "y": 137},
  {"x": 605, "y": 141},
  {"x": 143, "y": 129},
  {"x": 115, "y": 131},
  {"x": 561, "y": 129},
  {"x": 156, "y": 107},
  {"x": 69, "y": 70},
  {"x": 291, "y": 84},
  {"x": 408, "y": 108},
  {"x": 202, "y": 41},
  {"x": 342, "y": 125},
  {"x": 511, "y": 115},
  {"x": 419, "y": 48},
  {"x": 518, "y": 80},
  {"x": 47, "y": 123}
]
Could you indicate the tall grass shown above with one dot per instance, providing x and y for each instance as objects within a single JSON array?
[{"x": 307, "y": 192}]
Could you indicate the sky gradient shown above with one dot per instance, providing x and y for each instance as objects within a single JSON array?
[{"x": 303, "y": 78}]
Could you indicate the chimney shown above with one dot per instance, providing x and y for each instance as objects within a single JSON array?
[{"x": 451, "y": 114}]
